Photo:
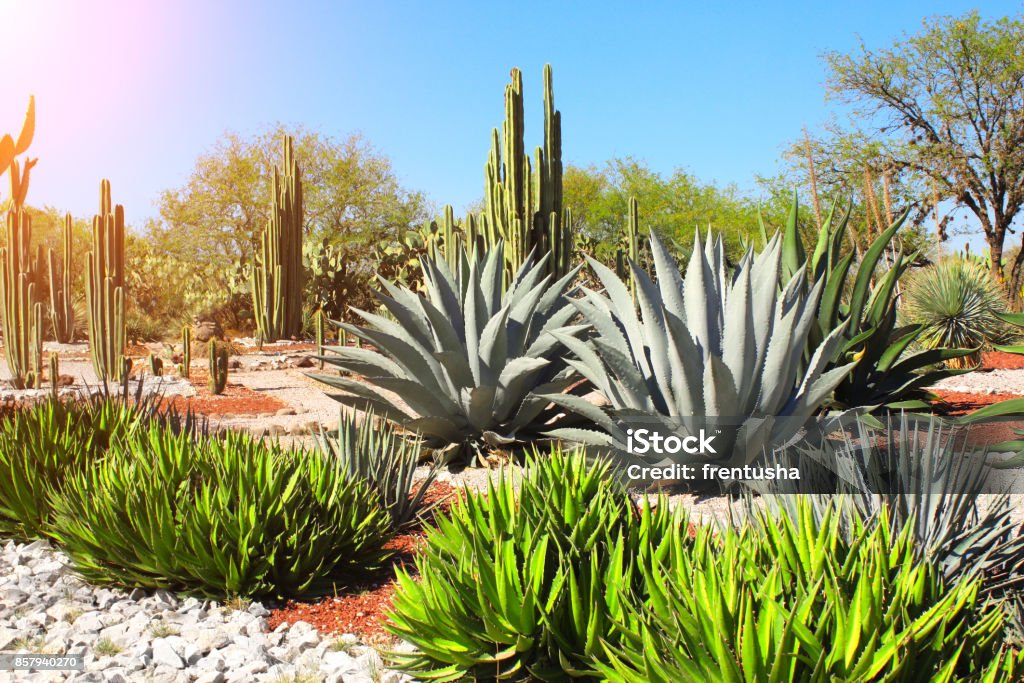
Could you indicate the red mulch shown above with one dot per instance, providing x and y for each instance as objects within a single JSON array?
[
  {"x": 1001, "y": 360},
  {"x": 962, "y": 402},
  {"x": 236, "y": 399},
  {"x": 360, "y": 610}
]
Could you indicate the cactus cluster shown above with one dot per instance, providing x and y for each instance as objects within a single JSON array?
[
  {"x": 62, "y": 309},
  {"x": 278, "y": 276},
  {"x": 22, "y": 312},
  {"x": 105, "y": 290},
  {"x": 523, "y": 199},
  {"x": 218, "y": 367}
]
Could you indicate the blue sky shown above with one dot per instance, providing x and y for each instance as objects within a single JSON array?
[{"x": 135, "y": 91}]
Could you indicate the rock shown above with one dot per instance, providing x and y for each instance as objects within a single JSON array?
[
  {"x": 168, "y": 651},
  {"x": 258, "y": 610},
  {"x": 204, "y": 331},
  {"x": 305, "y": 362},
  {"x": 65, "y": 381},
  {"x": 210, "y": 677},
  {"x": 234, "y": 364},
  {"x": 285, "y": 411}
]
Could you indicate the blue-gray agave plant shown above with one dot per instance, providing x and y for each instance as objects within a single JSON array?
[
  {"x": 463, "y": 364},
  {"x": 711, "y": 350}
]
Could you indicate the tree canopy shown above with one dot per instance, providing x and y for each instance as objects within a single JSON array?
[
  {"x": 352, "y": 196},
  {"x": 946, "y": 107}
]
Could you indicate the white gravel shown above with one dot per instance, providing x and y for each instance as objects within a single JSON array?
[
  {"x": 155, "y": 636},
  {"x": 985, "y": 382}
]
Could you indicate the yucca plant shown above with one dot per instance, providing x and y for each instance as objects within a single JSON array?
[
  {"x": 957, "y": 303},
  {"x": 706, "y": 350},
  {"x": 520, "y": 583},
  {"x": 789, "y": 598},
  {"x": 462, "y": 364},
  {"x": 218, "y": 517},
  {"x": 386, "y": 461},
  {"x": 864, "y": 296}
]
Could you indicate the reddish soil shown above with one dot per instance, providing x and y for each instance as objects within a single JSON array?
[
  {"x": 962, "y": 402},
  {"x": 236, "y": 399},
  {"x": 361, "y": 609},
  {"x": 992, "y": 360}
]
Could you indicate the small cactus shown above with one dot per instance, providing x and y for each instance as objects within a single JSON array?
[
  {"x": 320, "y": 322},
  {"x": 186, "y": 351},
  {"x": 156, "y": 365},
  {"x": 54, "y": 373},
  {"x": 218, "y": 367}
]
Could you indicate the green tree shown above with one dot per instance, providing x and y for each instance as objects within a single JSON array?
[
  {"x": 946, "y": 106},
  {"x": 674, "y": 205},
  {"x": 352, "y": 197}
]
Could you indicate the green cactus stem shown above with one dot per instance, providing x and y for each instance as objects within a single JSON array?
[
  {"x": 320, "y": 323},
  {"x": 156, "y": 365},
  {"x": 22, "y": 314},
  {"x": 186, "y": 351},
  {"x": 278, "y": 274},
  {"x": 54, "y": 374},
  {"x": 62, "y": 309},
  {"x": 218, "y": 367},
  {"x": 105, "y": 290},
  {"x": 523, "y": 199}
]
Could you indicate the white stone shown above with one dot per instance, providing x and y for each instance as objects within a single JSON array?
[{"x": 168, "y": 651}]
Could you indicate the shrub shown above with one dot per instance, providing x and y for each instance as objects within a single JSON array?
[
  {"x": 218, "y": 517},
  {"x": 788, "y": 598},
  {"x": 42, "y": 445},
  {"x": 465, "y": 359},
  {"x": 956, "y": 301},
  {"x": 385, "y": 461},
  {"x": 521, "y": 583}
]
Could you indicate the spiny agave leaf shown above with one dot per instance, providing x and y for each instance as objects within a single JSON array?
[
  {"x": 1013, "y": 406},
  {"x": 687, "y": 369},
  {"x": 494, "y": 347},
  {"x": 793, "y": 256},
  {"x": 352, "y": 357},
  {"x": 382, "y": 403},
  {"x": 930, "y": 357},
  {"x": 491, "y": 278},
  {"x": 654, "y": 330},
  {"x": 1012, "y": 318},
  {"x": 701, "y": 316},
  {"x": 900, "y": 340},
  {"x": 1009, "y": 348},
  {"x": 435, "y": 427},
  {"x": 720, "y": 394},
  {"x": 739, "y": 350},
  {"x": 517, "y": 378},
  {"x": 583, "y": 407},
  {"x": 443, "y": 292},
  {"x": 866, "y": 270},
  {"x": 621, "y": 306},
  {"x": 831, "y": 297},
  {"x": 457, "y": 368},
  {"x": 669, "y": 281}
]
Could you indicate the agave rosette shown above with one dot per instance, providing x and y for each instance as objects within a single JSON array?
[
  {"x": 463, "y": 364},
  {"x": 705, "y": 350}
]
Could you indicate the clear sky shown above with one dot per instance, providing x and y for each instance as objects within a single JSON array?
[{"x": 134, "y": 91}]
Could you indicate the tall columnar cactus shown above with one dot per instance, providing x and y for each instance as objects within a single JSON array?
[
  {"x": 105, "y": 290},
  {"x": 320, "y": 323},
  {"x": 218, "y": 367},
  {"x": 623, "y": 257},
  {"x": 523, "y": 200},
  {"x": 278, "y": 275},
  {"x": 22, "y": 312},
  {"x": 55, "y": 374},
  {"x": 186, "y": 351},
  {"x": 62, "y": 309}
]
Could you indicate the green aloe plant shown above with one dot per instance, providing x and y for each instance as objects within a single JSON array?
[
  {"x": 865, "y": 300},
  {"x": 705, "y": 349},
  {"x": 790, "y": 598},
  {"x": 462, "y": 364}
]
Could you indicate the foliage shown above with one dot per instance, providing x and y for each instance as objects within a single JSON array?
[
  {"x": 927, "y": 478},
  {"x": 217, "y": 517},
  {"x": 278, "y": 274},
  {"x": 385, "y": 461},
  {"x": 465, "y": 359},
  {"x": 337, "y": 279},
  {"x": 788, "y": 598},
  {"x": 674, "y": 206},
  {"x": 42, "y": 445},
  {"x": 957, "y": 303},
  {"x": 352, "y": 198},
  {"x": 705, "y": 347},
  {"x": 864, "y": 300},
  {"x": 947, "y": 105},
  {"x": 520, "y": 582}
]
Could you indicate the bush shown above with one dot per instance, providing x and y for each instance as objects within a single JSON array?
[
  {"x": 218, "y": 517},
  {"x": 957, "y": 302},
  {"x": 522, "y": 583},
  {"x": 788, "y": 599},
  {"x": 44, "y": 444}
]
